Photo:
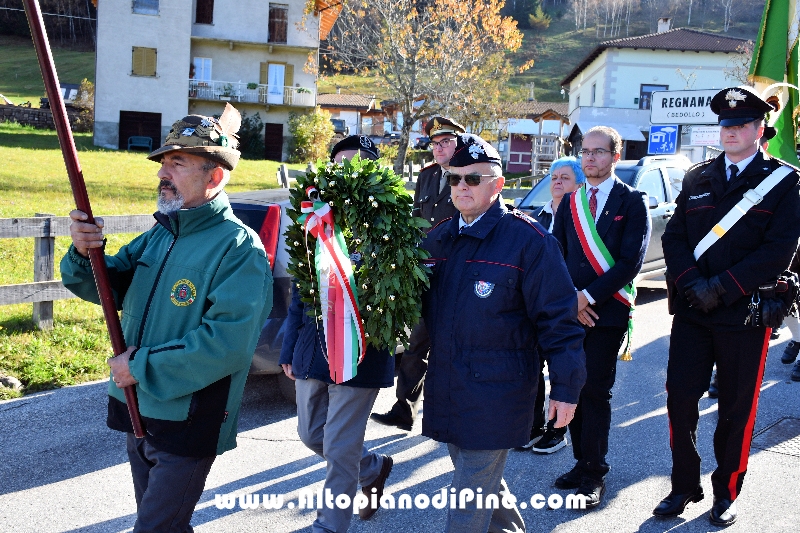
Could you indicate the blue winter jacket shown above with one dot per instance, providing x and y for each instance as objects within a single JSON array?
[
  {"x": 498, "y": 290},
  {"x": 302, "y": 348}
]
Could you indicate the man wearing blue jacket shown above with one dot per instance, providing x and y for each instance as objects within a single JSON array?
[
  {"x": 331, "y": 418},
  {"x": 499, "y": 288}
]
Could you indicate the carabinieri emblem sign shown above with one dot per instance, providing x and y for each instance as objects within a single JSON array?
[{"x": 483, "y": 289}]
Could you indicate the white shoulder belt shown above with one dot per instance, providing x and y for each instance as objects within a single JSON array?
[{"x": 750, "y": 198}]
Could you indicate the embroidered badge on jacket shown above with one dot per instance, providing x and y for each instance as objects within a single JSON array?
[
  {"x": 183, "y": 293},
  {"x": 483, "y": 289}
]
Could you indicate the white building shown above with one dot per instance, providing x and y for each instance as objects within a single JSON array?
[
  {"x": 613, "y": 85},
  {"x": 159, "y": 60}
]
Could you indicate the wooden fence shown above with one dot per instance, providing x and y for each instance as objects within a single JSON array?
[{"x": 44, "y": 229}]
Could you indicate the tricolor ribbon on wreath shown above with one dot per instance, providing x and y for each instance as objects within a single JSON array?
[
  {"x": 599, "y": 256},
  {"x": 341, "y": 321}
]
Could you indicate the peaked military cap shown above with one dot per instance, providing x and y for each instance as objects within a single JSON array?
[
  {"x": 208, "y": 137},
  {"x": 736, "y": 106},
  {"x": 471, "y": 149},
  {"x": 356, "y": 142},
  {"x": 439, "y": 125}
]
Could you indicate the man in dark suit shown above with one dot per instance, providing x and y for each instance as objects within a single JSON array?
[
  {"x": 431, "y": 202},
  {"x": 620, "y": 215}
]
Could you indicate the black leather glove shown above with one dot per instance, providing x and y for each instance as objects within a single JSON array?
[
  {"x": 772, "y": 312},
  {"x": 704, "y": 294}
]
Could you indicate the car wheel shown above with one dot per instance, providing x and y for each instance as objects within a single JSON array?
[{"x": 286, "y": 385}]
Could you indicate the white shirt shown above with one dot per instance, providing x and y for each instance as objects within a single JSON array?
[
  {"x": 741, "y": 165},
  {"x": 603, "y": 190},
  {"x": 548, "y": 208},
  {"x": 462, "y": 224}
]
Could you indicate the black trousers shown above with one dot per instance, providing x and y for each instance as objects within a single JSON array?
[
  {"x": 740, "y": 354},
  {"x": 592, "y": 422},
  {"x": 411, "y": 374},
  {"x": 166, "y": 486}
]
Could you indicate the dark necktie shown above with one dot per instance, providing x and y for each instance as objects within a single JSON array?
[
  {"x": 734, "y": 172},
  {"x": 593, "y": 202}
]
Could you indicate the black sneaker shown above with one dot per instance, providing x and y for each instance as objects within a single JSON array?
[
  {"x": 796, "y": 371},
  {"x": 790, "y": 352},
  {"x": 552, "y": 441},
  {"x": 536, "y": 434}
]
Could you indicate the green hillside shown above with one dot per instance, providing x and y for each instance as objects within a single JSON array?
[
  {"x": 20, "y": 77},
  {"x": 556, "y": 51}
]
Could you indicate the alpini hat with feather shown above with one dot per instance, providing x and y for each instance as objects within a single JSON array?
[{"x": 208, "y": 137}]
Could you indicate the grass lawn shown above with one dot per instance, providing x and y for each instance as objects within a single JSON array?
[
  {"x": 20, "y": 77},
  {"x": 33, "y": 179}
]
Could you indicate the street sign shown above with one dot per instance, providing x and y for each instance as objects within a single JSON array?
[
  {"x": 682, "y": 107},
  {"x": 662, "y": 140},
  {"x": 704, "y": 136}
]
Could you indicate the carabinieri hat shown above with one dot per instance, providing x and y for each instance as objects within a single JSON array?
[
  {"x": 471, "y": 149},
  {"x": 208, "y": 137},
  {"x": 736, "y": 106},
  {"x": 356, "y": 142},
  {"x": 439, "y": 125}
]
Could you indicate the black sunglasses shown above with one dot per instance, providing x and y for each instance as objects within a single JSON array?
[{"x": 472, "y": 179}]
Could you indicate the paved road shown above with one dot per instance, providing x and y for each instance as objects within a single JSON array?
[{"x": 61, "y": 470}]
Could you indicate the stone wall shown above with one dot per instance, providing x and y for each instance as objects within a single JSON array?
[{"x": 41, "y": 118}]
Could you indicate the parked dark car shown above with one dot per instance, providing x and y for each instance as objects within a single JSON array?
[
  {"x": 659, "y": 176},
  {"x": 422, "y": 143},
  {"x": 392, "y": 137}
]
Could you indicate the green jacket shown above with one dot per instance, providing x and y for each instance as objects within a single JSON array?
[{"x": 194, "y": 291}]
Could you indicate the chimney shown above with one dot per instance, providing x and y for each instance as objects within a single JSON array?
[{"x": 664, "y": 24}]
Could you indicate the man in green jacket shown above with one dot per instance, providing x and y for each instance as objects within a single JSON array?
[{"x": 194, "y": 292}]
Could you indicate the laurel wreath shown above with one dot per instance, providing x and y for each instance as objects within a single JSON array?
[{"x": 373, "y": 210}]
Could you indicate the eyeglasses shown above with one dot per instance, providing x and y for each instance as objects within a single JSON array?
[
  {"x": 596, "y": 152},
  {"x": 472, "y": 179},
  {"x": 444, "y": 143}
]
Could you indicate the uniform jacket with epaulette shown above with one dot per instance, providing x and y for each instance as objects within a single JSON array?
[
  {"x": 429, "y": 203},
  {"x": 757, "y": 249},
  {"x": 498, "y": 290}
]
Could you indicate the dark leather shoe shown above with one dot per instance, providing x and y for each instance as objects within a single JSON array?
[
  {"x": 378, "y": 485},
  {"x": 723, "y": 512},
  {"x": 796, "y": 372},
  {"x": 674, "y": 504},
  {"x": 790, "y": 352},
  {"x": 570, "y": 480},
  {"x": 392, "y": 419},
  {"x": 713, "y": 391},
  {"x": 592, "y": 490}
]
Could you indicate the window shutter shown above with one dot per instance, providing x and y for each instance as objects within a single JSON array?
[
  {"x": 288, "y": 76},
  {"x": 136, "y": 63},
  {"x": 263, "y": 77},
  {"x": 150, "y": 62}
]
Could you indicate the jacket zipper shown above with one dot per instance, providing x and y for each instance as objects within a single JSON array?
[{"x": 153, "y": 291}]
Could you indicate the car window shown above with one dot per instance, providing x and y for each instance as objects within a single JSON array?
[
  {"x": 626, "y": 174},
  {"x": 539, "y": 195},
  {"x": 675, "y": 180},
  {"x": 652, "y": 183}
]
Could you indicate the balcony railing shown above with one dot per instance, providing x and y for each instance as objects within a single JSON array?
[{"x": 261, "y": 94}]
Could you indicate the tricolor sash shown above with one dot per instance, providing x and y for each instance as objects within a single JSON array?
[
  {"x": 597, "y": 253},
  {"x": 341, "y": 321}
]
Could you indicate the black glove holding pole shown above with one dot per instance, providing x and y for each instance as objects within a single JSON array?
[{"x": 704, "y": 294}]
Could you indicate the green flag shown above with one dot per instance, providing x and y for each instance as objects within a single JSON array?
[{"x": 775, "y": 60}]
